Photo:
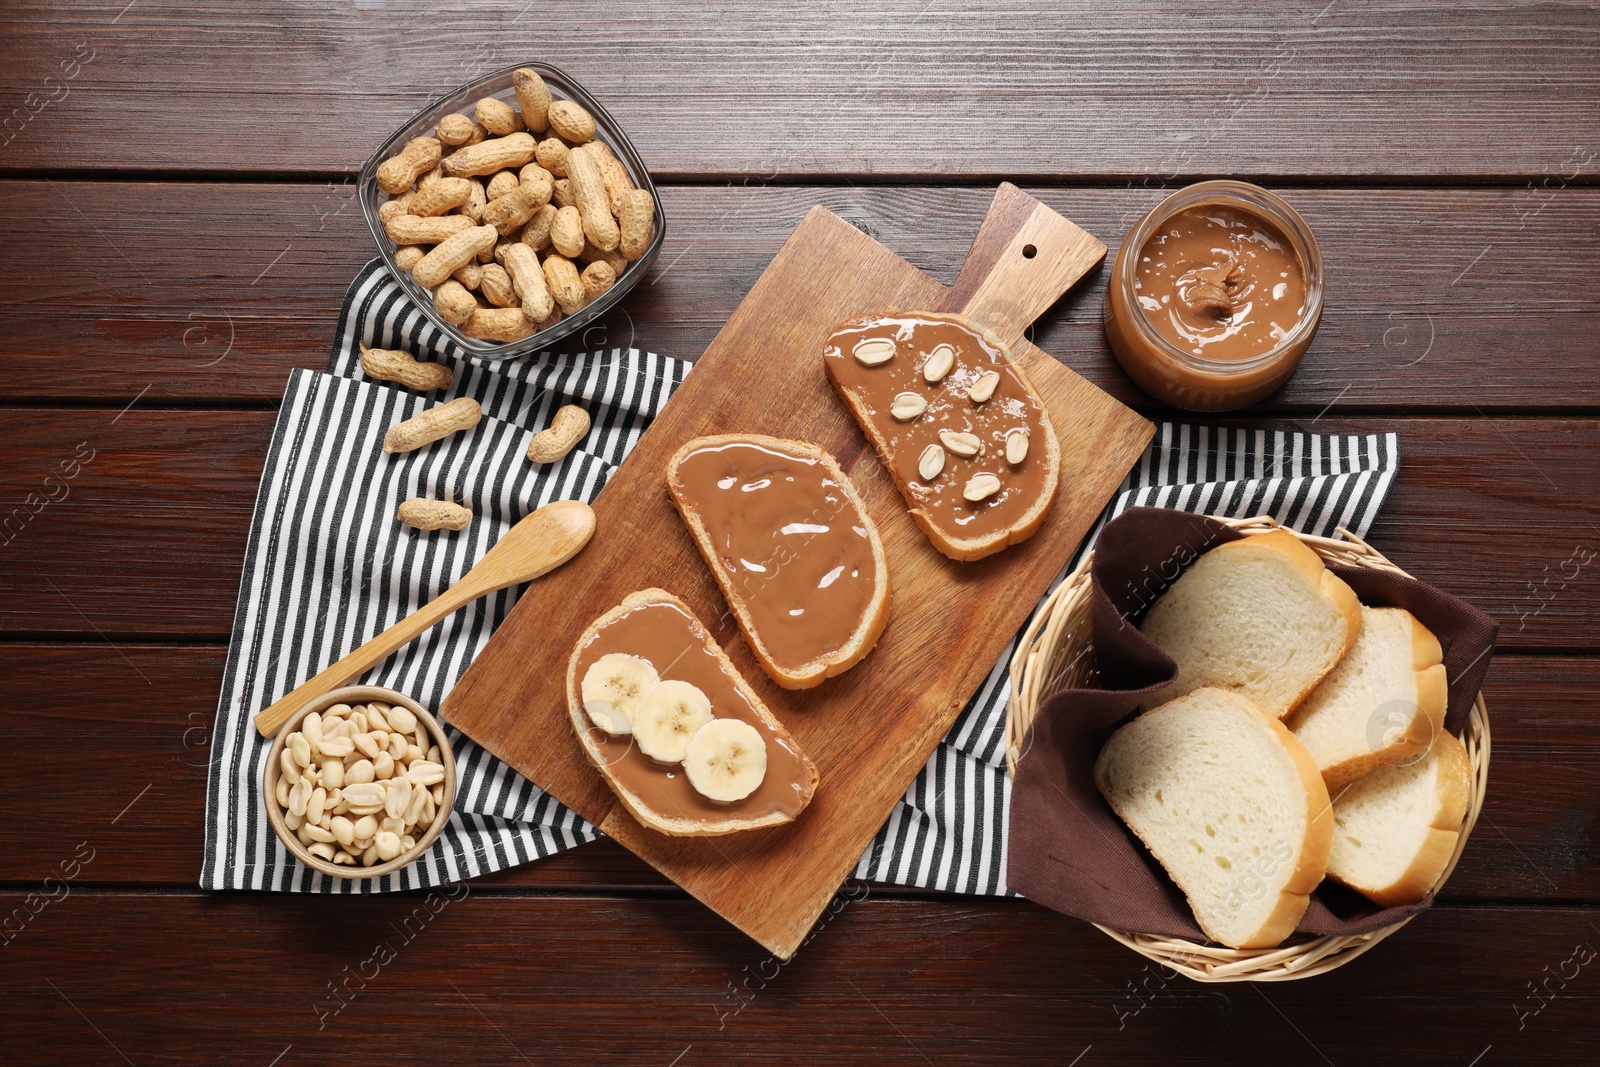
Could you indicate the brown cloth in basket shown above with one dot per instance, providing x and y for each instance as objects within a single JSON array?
[{"x": 1066, "y": 848}]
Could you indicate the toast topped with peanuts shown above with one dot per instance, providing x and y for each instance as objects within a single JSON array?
[{"x": 956, "y": 422}]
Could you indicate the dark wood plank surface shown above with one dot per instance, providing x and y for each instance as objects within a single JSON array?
[
  {"x": 1515, "y": 496},
  {"x": 176, "y": 188},
  {"x": 591, "y": 980},
  {"x": 1532, "y": 845},
  {"x": 219, "y": 305},
  {"x": 879, "y": 89}
]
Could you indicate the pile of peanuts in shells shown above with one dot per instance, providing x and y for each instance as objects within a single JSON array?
[
  {"x": 513, "y": 216},
  {"x": 360, "y": 784}
]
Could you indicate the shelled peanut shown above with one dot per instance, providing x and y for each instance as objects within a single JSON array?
[
  {"x": 360, "y": 785},
  {"x": 529, "y": 172}
]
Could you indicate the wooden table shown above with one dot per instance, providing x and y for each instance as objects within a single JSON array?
[{"x": 180, "y": 229}]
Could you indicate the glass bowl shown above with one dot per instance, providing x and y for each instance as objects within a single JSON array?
[{"x": 498, "y": 85}]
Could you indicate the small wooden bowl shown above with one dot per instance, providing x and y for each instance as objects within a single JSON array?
[
  {"x": 356, "y": 694},
  {"x": 1056, "y": 652}
]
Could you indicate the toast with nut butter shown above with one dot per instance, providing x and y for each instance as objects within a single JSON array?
[
  {"x": 791, "y": 546},
  {"x": 957, "y": 423}
]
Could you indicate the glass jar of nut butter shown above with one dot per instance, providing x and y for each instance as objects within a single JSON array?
[{"x": 1215, "y": 296}]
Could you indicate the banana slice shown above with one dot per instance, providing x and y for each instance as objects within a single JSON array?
[
  {"x": 667, "y": 717},
  {"x": 613, "y": 686},
  {"x": 726, "y": 759}
]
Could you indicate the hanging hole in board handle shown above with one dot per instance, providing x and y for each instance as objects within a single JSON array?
[{"x": 1029, "y": 251}]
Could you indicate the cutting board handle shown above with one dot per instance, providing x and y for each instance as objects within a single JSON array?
[{"x": 1024, "y": 257}]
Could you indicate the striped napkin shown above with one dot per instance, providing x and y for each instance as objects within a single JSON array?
[{"x": 327, "y": 567}]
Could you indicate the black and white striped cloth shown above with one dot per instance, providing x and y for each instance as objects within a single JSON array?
[{"x": 327, "y": 567}]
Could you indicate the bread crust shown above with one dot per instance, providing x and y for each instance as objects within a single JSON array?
[
  {"x": 1295, "y": 896},
  {"x": 870, "y": 628},
  {"x": 1433, "y": 696},
  {"x": 1315, "y": 844},
  {"x": 969, "y": 549},
  {"x": 1331, "y": 586},
  {"x": 1426, "y": 867},
  {"x": 667, "y": 824}
]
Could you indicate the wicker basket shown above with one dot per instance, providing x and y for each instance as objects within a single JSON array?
[{"x": 1055, "y": 654}]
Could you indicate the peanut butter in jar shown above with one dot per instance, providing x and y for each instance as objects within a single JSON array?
[{"x": 1215, "y": 296}]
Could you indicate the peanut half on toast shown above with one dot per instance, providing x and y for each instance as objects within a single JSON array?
[
  {"x": 790, "y": 544},
  {"x": 675, "y": 730},
  {"x": 957, "y": 423}
]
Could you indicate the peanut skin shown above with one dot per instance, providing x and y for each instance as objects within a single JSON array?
[
  {"x": 497, "y": 324},
  {"x": 597, "y": 277},
  {"x": 536, "y": 234},
  {"x": 397, "y": 173},
  {"x": 522, "y": 264},
  {"x": 566, "y": 429},
  {"x": 562, "y": 277},
  {"x": 476, "y": 201},
  {"x": 456, "y": 130},
  {"x": 487, "y": 157},
  {"x": 637, "y": 224},
  {"x": 439, "y": 264},
  {"x": 566, "y": 232},
  {"x": 533, "y": 97},
  {"x": 424, "y": 514},
  {"x": 497, "y": 116},
  {"x": 495, "y": 284},
  {"x": 416, "y": 230},
  {"x": 615, "y": 260},
  {"x": 570, "y": 121},
  {"x": 512, "y": 211},
  {"x": 501, "y": 184},
  {"x": 455, "y": 305},
  {"x": 432, "y": 425},
  {"x": 393, "y": 365},
  {"x": 589, "y": 190},
  {"x": 615, "y": 175},
  {"x": 440, "y": 196},
  {"x": 396, "y": 205},
  {"x": 552, "y": 156}
]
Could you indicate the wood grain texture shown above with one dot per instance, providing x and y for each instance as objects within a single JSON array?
[
  {"x": 93, "y": 978},
  {"x": 1502, "y": 511},
  {"x": 159, "y": 301},
  {"x": 1455, "y": 300},
  {"x": 1535, "y": 842},
  {"x": 872, "y": 729},
  {"x": 867, "y": 88}
]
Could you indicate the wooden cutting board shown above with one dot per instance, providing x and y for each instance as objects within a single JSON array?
[{"x": 872, "y": 729}]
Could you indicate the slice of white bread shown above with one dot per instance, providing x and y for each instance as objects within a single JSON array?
[
  {"x": 1260, "y": 616},
  {"x": 1382, "y": 704},
  {"x": 1396, "y": 828},
  {"x": 1230, "y": 804},
  {"x": 669, "y": 824},
  {"x": 854, "y": 645}
]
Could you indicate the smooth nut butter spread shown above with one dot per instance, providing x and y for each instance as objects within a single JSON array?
[
  {"x": 675, "y": 644},
  {"x": 1220, "y": 283},
  {"x": 788, "y": 540},
  {"x": 948, "y": 402}
]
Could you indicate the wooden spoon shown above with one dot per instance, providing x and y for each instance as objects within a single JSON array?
[{"x": 537, "y": 545}]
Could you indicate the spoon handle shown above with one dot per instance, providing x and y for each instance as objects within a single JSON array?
[
  {"x": 537, "y": 545},
  {"x": 367, "y": 656}
]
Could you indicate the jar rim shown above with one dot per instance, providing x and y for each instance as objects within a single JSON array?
[{"x": 1252, "y": 199}]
